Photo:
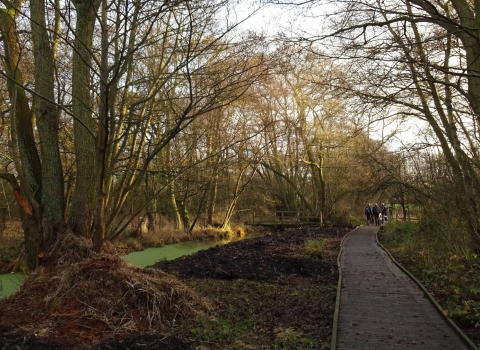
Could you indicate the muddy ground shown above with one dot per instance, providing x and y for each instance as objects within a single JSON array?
[{"x": 272, "y": 292}]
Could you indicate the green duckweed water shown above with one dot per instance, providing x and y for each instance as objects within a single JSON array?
[
  {"x": 150, "y": 256},
  {"x": 10, "y": 283}
]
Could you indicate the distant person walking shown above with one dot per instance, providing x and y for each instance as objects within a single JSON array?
[
  {"x": 368, "y": 213},
  {"x": 376, "y": 214},
  {"x": 384, "y": 209}
]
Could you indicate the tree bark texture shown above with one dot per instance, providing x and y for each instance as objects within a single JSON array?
[
  {"x": 81, "y": 210},
  {"x": 47, "y": 121}
]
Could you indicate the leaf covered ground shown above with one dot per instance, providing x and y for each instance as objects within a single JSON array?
[{"x": 271, "y": 292}]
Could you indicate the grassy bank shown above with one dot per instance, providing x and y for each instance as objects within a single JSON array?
[{"x": 159, "y": 237}]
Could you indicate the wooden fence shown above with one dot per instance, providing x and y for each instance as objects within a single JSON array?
[{"x": 284, "y": 219}]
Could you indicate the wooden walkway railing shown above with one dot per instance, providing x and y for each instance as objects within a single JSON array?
[{"x": 285, "y": 219}]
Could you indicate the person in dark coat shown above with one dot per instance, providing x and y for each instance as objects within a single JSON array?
[
  {"x": 376, "y": 214},
  {"x": 368, "y": 213}
]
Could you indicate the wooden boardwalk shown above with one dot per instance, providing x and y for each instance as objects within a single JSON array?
[{"x": 381, "y": 308}]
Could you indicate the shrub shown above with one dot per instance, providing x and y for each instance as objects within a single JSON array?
[
  {"x": 400, "y": 232},
  {"x": 315, "y": 247}
]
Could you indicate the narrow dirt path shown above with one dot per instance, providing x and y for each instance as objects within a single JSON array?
[{"x": 381, "y": 307}]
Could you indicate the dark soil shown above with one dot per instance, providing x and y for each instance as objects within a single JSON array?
[
  {"x": 261, "y": 259},
  {"x": 270, "y": 292}
]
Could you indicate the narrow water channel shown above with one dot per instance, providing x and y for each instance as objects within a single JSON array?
[
  {"x": 11, "y": 282},
  {"x": 150, "y": 256}
]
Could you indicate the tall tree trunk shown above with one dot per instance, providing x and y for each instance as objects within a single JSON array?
[
  {"x": 24, "y": 151},
  {"x": 174, "y": 205},
  {"x": 320, "y": 181},
  {"x": 237, "y": 192},
  {"x": 212, "y": 196},
  {"x": 80, "y": 214},
  {"x": 176, "y": 209},
  {"x": 213, "y": 148},
  {"x": 185, "y": 217},
  {"x": 23, "y": 140},
  {"x": 101, "y": 141},
  {"x": 46, "y": 114}
]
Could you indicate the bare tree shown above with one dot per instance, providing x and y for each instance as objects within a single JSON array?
[
  {"x": 416, "y": 60},
  {"x": 111, "y": 103}
]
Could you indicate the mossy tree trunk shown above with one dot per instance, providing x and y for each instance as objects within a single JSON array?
[
  {"x": 80, "y": 213},
  {"x": 47, "y": 119},
  {"x": 40, "y": 192}
]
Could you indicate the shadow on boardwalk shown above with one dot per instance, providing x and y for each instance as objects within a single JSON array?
[{"x": 381, "y": 307}]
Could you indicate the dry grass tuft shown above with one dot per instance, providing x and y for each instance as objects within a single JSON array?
[
  {"x": 210, "y": 233},
  {"x": 12, "y": 254},
  {"x": 158, "y": 238},
  {"x": 69, "y": 248},
  {"x": 239, "y": 231}
]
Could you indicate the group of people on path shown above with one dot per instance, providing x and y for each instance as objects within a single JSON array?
[{"x": 377, "y": 214}]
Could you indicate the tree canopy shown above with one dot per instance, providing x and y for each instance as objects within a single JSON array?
[{"x": 115, "y": 110}]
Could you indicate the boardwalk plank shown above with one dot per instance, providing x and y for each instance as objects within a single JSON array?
[{"x": 381, "y": 307}]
